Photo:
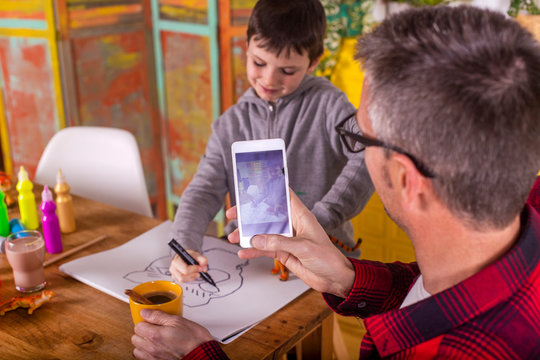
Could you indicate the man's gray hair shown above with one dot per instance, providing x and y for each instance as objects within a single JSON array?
[{"x": 459, "y": 88}]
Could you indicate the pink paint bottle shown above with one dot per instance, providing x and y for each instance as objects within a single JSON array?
[{"x": 51, "y": 225}]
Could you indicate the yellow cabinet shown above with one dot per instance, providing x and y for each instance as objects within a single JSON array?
[{"x": 382, "y": 239}]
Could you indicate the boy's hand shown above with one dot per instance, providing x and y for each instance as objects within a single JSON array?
[
  {"x": 183, "y": 272},
  {"x": 310, "y": 254}
]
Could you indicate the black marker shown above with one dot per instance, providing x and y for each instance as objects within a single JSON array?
[{"x": 188, "y": 259}]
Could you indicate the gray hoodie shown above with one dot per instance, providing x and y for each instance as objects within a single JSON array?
[{"x": 329, "y": 180}]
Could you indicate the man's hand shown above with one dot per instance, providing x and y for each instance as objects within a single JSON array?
[
  {"x": 310, "y": 254},
  {"x": 164, "y": 336},
  {"x": 183, "y": 272}
]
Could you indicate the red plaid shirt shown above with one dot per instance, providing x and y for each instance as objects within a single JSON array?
[
  {"x": 534, "y": 195},
  {"x": 208, "y": 350},
  {"x": 494, "y": 314}
]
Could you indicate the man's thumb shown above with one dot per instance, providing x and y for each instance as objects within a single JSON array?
[
  {"x": 153, "y": 316},
  {"x": 258, "y": 242}
]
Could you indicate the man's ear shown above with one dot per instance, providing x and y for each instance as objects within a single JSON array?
[{"x": 409, "y": 182}]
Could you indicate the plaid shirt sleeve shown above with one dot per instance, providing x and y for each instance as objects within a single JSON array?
[
  {"x": 207, "y": 351},
  {"x": 492, "y": 314},
  {"x": 378, "y": 287}
]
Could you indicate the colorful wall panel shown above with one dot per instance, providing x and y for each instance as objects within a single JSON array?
[
  {"x": 238, "y": 67},
  {"x": 186, "y": 53},
  {"x": 188, "y": 103},
  {"x": 87, "y": 13},
  {"x": 185, "y": 11},
  {"x": 240, "y": 11},
  {"x": 108, "y": 70},
  {"x": 233, "y": 19},
  {"x": 29, "y": 99},
  {"x": 29, "y": 14},
  {"x": 31, "y": 105}
]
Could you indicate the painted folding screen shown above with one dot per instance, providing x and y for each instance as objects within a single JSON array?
[
  {"x": 31, "y": 108},
  {"x": 185, "y": 39},
  {"x": 233, "y": 20},
  {"x": 107, "y": 59}
]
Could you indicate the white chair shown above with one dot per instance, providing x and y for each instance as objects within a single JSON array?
[{"x": 99, "y": 163}]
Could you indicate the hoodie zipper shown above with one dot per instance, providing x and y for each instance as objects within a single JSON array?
[{"x": 271, "y": 118}]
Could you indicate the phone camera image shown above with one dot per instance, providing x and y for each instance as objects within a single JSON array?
[{"x": 262, "y": 191}]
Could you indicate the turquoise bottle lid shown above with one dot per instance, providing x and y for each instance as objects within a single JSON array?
[{"x": 16, "y": 225}]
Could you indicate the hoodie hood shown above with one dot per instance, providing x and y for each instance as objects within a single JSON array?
[{"x": 308, "y": 82}]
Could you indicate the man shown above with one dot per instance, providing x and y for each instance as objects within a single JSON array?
[
  {"x": 534, "y": 195},
  {"x": 449, "y": 124}
]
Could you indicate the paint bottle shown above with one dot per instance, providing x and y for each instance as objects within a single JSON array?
[
  {"x": 2, "y": 244},
  {"x": 64, "y": 204},
  {"x": 27, "y": 201},
  {"x": 4, "y": 219},
  {"x": 50, "y": 224},
  {"x": 16, "y": 225}
]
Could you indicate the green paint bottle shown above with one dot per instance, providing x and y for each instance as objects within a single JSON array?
[
  {"x": 4, "y": 219},
  {"x": 27, "y": 201}
]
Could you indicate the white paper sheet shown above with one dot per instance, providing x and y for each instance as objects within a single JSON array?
[{"x": 248, "y": 292}]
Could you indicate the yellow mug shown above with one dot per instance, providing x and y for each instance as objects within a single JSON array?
[{"x": 168, "y": 293}]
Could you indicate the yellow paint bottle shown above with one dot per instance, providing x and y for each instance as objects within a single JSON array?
[
  {"x": 27, "y": 201},
  {"x": 64, "y": 204}
]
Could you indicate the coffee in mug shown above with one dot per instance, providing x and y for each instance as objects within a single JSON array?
[{"x": 160, "y": 297}]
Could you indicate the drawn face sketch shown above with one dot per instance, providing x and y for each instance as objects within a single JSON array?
[
  {"x": 157, "y": 270},
  {"x": 228, "y": 277}
]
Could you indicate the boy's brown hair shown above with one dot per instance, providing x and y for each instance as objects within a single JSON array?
[{"x": 282, "y": 25}]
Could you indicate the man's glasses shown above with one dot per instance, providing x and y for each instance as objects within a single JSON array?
[{"x": 356, "y": 142}]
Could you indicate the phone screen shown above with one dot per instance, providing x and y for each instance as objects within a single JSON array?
[{"x": 262, "y": 192}]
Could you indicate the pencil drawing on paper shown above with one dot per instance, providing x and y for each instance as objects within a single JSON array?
[{"x": 229, "y": 277}]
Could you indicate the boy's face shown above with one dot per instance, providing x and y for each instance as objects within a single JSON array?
[{"x": 273, "y": 77}]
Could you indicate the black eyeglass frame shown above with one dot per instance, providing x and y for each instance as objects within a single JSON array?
[{"x": 369, "y": 141}]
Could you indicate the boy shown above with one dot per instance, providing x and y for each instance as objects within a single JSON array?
[{"x": 285, "y": 42}]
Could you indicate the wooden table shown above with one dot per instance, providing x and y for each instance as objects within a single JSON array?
[{"x": 81, "y": 322}]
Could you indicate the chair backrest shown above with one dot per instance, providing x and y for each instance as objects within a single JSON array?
[{"x": 99, "y": 163}]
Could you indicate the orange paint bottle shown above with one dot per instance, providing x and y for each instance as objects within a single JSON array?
[{"x": 64, "y": 204}]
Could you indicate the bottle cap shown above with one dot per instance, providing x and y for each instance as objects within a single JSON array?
[
  {"x": 16, "y": 225},
  {"x": 60, "y": 178},
  {"x": 46, "y": 195},
  {"x": 23, "y": 175}
]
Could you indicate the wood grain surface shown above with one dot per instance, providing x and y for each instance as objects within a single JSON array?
[{"x": 81, "y": 322}]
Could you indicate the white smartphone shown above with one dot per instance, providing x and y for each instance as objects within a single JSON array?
[{"x": 261, "y": 185}]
